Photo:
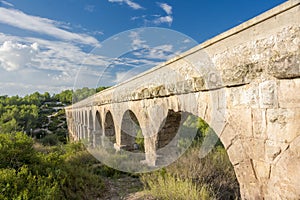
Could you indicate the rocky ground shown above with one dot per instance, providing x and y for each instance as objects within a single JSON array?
[{"x": 125, "y": 188}]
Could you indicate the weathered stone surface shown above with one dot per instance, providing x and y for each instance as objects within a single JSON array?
[
  {"x": 254, "y": 148},
  {"x": 259, "y": 123},
  {"x": 273, "y": 149},
  {"x": 245, "y": 83},
  {"x": 288, "y": 93},
  {"x": 241, "y": 120},
  {"x": 268, "y": 94},
  {"x": 285, "y": 174},
  {"x": 283, "y": 124},
  {"x": 285, "y": 66},
  {"x": 250, "y": 189},
  {"x": 262, "y": 170},
  {"x": 236, "y": 152}
]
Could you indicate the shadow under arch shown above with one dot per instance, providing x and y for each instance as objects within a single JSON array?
[
  {"x": 109, "y": 129},
  {"x": 131, "y": 133},
  {"x": 85, "y": 126},
  {"x": 90, "y": 127},
  {"x": 98, "y": 132},
  {"x": 180, "y": 141}
]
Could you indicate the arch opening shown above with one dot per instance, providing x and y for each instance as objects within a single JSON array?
[
  {"x": 109, "y": 128},
  {"x": 97, "y": 130},
  {"x": 189, "y": 135},
  {"x": 90, "y": 127},
  {"x": 85, "y": 126},
  {"x": 132, "y": 138}
]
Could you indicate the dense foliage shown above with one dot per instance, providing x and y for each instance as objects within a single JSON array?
[
  {"x": 70, "y": 96},
  {"x": 28, "y": 172},
  {"x": 40, "y": 115},
  {"x": 37, "y": 163}
]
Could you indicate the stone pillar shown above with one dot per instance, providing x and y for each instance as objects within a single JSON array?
[
  {"x": 150, "y": 150},
  {"x": 262, "y": 138}
]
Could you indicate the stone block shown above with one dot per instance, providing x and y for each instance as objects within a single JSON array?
[
  {"x": 235, "y": 75},
  {"x": 273, "y": 150},
  {"x": 268, "y": 94},
  {"x": 236, "y": 152},
  {"x": 284, "y": 66},
  {"x": 283, "y": 124},
  {"x": 241, "y": 121},
  {"x": 262, "y": 170},
  {"x": 198, "y": 83},
  {"x": 244, "y": 96},
  {"x": 246, "y": 176},
  {"x": 254, "y": 148},
  {"x": 288, "y": 93},
  {"x": 259, "y": 123},
  {"x": 285, "y": 174}
]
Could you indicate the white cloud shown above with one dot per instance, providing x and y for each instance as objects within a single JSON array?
[
  {"x": 186, "y": 41},
  {"x": 137, "y": 42},
  {"x": 167, "y": 8},
  {"x": 128, "y": 2},
  {"x": 123, "y": 76},
  {"x": 50, "y": 63},
  {"x": 14, "y": 56},
  {"x": 162, "y": 52},
  {"x": 165, "y": 19},
  {"x": 6, "y": 3},
  {"x": 24, "y": 89},
  {"x": 89, "y": 8},
  {"x": 43, "y": 26}
]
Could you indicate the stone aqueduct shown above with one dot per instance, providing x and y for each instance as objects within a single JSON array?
[{"x": 244, "y": 83}]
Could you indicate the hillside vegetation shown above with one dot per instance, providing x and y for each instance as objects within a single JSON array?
[{"x": 38, "y": 162}]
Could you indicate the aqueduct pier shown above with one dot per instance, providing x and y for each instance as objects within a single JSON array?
[{"x": 244, "y": 83}]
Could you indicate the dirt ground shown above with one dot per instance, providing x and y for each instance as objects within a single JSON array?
[{"x": 124, "y": 188}]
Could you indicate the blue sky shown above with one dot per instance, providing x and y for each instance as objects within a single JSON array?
[{"x": 51, "y": 45}]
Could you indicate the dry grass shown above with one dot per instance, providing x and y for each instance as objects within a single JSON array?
[{"x": 190, "y": 177}]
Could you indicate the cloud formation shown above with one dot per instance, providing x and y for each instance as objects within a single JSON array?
[
  {"x": 6, "y": 3},
  {"x": 158, "y": 19},
  {"x": 37, "y": 62},
  {"x": 167, "y": 8},
  {"x": 130, "y": 3},
  {"x": 165, "y": 19},
  {"x": 14, "y": 56},
  {"x": 40, "y": 25},
  {"x": 89, "y": 8}
]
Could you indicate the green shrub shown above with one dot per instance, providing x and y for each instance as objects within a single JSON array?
[
  {"x": 50, "y": 139},
  {"x": 16, "y": 150},
  {"x": 167, "y": 186},
  {"x": 61, "y": 172}
]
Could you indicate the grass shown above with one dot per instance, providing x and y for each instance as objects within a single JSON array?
[{"x": 190, "y": 177}]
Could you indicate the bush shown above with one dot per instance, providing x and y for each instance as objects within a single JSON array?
[
  {"x": 50, "y": 140},
  {"x": 16, "y": 150},
  {"x": 22, "y": 184},
  {"x": 61, "y": 172},
  {"x": 167, "y": 186}
]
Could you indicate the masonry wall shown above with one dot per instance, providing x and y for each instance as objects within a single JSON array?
[{"x": 245, "y": 83}]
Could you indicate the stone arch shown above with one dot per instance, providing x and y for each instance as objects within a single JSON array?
[
  {"x": 85, "y": 125},
  {"x": 130, "y": 128},
  {"x": 77, "y": 125},
  {"x": 90, "y": 126},
  {"x": 109, "y": 127},
  {"x": 81, "y": 124},
  {"x": 168, "y": 129},
  {"x": 98, "y": 132}
]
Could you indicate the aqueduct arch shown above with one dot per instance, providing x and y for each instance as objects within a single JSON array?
[
  {"x": 129, "y": 129},
  {"x": 98, "y": 131},
  {"x": 251, "y": 100},
  {"x": 109, "y": 127}
]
